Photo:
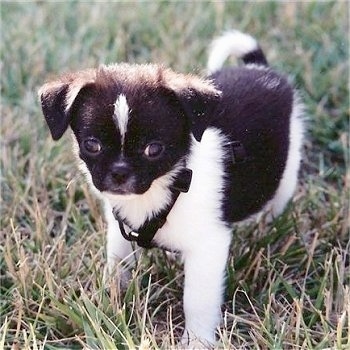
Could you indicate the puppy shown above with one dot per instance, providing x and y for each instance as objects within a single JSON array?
[{"x": 177, "y": 159}]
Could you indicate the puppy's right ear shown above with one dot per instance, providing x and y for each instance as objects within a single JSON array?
[
  {"x": 198, "y": 97},
  {"x": 57, "y": 98}
]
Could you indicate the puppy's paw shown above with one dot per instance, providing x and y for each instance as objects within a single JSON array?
[
  {"x": 117, "y": 276},
  {"x": 190, "y": 342}
]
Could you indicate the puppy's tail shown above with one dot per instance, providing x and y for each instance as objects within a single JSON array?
[{"x": 237, "y": 44}]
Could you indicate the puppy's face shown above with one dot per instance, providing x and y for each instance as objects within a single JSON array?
[
  {"x": 130, "y": 139},
  {"x": 132, "y": 124}
]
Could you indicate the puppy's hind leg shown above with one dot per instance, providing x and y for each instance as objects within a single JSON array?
[{"x": 289, "y": 179}]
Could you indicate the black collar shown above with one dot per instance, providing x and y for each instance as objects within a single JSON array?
[{"x": 144, "y": 235}]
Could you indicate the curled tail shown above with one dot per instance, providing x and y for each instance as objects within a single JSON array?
[{"x": 237, "y": 44}]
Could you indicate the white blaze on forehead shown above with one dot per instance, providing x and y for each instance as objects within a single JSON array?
[{"x": 121, "y": 115}]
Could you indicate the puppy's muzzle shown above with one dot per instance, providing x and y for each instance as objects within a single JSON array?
[
  {"x": 120, "y": 179},
  {"x": 120, "y": 173}
]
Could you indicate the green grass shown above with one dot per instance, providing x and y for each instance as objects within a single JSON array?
[{"x": 287, "y": 281}]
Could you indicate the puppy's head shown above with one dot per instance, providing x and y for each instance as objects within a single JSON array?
[{"x": 132, "y": 123}]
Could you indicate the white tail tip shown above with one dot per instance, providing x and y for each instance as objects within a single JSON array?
[{"x": 232, "y": 43}]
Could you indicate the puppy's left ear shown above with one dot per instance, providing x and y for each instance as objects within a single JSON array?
[
  {"x": 57, "y": 98},
  {"x": 198, "y": 97}
]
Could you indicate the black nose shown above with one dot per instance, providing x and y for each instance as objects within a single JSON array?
[{"x": 120, "y": 173}]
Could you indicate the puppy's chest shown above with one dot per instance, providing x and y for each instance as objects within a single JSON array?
[
  {"x": 164, "y": 228},
  {"x": 193, "y": 214},
  {"x": 191, "y": 218}
]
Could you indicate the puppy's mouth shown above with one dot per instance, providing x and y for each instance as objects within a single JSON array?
[
  {"x": 119, "y": 191},
  {"x": 123, "y": 189},
  {"x": 121, "y": 194},
  {"x": 129, "y": 187}
]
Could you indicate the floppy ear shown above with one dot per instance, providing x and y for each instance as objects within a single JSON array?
[
  {"x": 199, "y": 107},
  {"x": 198, "y": 97},
  {"x": 57, "y": 98}
]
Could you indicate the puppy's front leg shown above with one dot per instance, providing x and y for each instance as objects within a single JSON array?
[
  {"x": 119, "y": 250},
  {"x": 204, "y": 283}
]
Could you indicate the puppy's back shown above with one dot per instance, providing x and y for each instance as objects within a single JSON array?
[{"x": 256, "y": 112}]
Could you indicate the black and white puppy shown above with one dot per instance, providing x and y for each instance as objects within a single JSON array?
[{"x": 178, "y": 159}]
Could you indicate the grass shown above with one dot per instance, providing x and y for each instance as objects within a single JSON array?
[{"x": 287, "y": 281}]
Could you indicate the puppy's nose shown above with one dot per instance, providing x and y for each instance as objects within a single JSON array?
[{"x": 120, "y": 172}]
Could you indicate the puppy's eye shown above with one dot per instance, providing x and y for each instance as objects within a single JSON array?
[
  {"x": 92, "y": 146},
  {"x": 154, "y": 150}
]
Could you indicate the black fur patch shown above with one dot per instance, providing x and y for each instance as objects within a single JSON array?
[{"x": 255, "y": 109}]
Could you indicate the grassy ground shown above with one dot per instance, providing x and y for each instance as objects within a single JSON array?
[{"x": 288, "y": 282}]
